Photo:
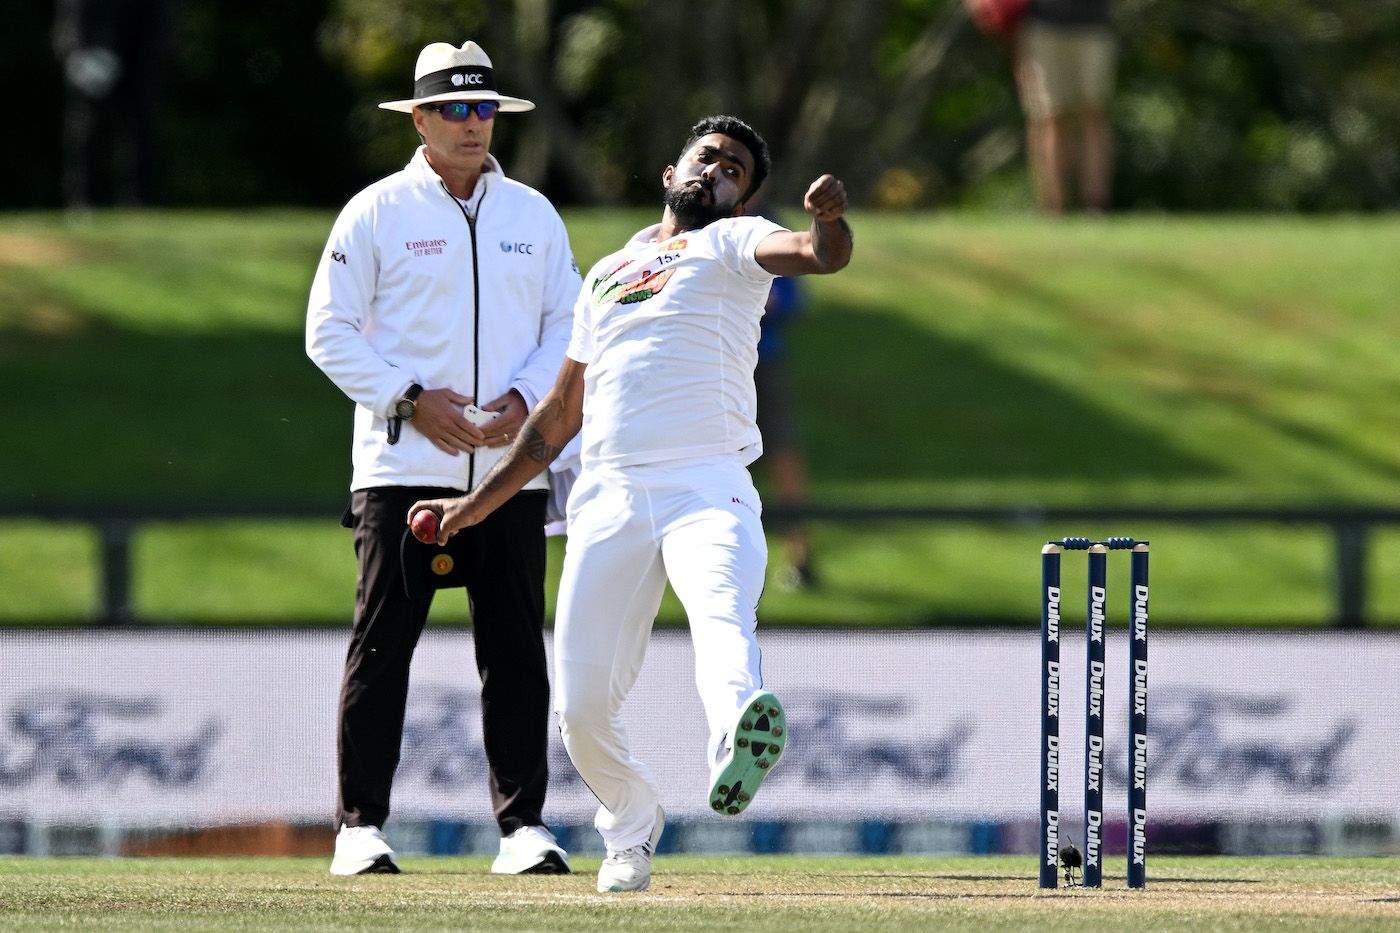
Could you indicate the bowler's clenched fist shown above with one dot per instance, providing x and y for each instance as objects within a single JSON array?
[{"x": 826, "y": 199}]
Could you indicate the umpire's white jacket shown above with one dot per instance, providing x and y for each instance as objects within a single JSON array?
[{"x": 413, "y": 289}]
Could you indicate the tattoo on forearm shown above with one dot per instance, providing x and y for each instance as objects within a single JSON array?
[
  {"x": 536, "y": 447},
  {"x": 824, "y": 233},
  {"x": 830, "y": 246}
]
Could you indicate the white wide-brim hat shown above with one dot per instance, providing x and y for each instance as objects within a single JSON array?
[{"x": 447, "y": 73}]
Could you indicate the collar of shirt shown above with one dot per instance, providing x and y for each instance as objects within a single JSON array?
[{"x": 490, "y": 171}]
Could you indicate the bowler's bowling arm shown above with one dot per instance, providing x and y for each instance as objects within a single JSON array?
[
  {"x": 824, "y": 247},
  {"x": 550, "y": 427}
]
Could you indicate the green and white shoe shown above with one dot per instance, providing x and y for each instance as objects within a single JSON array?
[{"x": 755, "y": 744}]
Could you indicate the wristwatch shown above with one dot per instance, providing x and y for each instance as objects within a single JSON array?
[{"x": 406, "y": 407}]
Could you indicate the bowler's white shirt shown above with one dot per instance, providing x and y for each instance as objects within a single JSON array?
[{"x": 669, "y": 332}]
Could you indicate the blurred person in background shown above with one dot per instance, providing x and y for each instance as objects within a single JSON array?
[
  {"x": 659, "y": 377},
  {"x": 1064, "y": 53},
  {"x": 444, "y": 284},
  {"x": 113, "y": 54},
  {"x": 783, "y": 459}
]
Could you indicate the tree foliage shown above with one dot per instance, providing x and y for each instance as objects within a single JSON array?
[{"x": 1221, "y": 104}]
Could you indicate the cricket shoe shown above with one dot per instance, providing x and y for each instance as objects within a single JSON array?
[
  {"x": 530, "y": 850},
  {"x": 754, "y": 746},
  {"x": 630, "y": 869},
  {"x": 363, "y": 850}
]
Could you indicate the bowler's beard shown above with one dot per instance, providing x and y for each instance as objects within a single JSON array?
[{"x": 687, "y": 204}]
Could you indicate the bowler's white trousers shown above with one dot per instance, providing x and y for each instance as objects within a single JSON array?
[{"x": 697, "y": 523}]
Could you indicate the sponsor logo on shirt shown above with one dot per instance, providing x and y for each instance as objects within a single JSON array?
[
  {"x": 648, "y": 285},
  {"x": 640, "y": 286},
  {"x": 608, "y": 275},
  {"x": 527, "y": 249},
  {"x": 338, "y": 257},
  {"x": 424, "y": 247}
]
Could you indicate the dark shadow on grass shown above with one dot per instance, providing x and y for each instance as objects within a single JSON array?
[
  {"x": 886, "y": 400},
  {"x": 907, "y": 877},
  {"x": 1209, "y": 880},
  {"x": 902, "y": 895},
  {"x": 120, "y": 414},
  {"x": 1333, "y": 444},
  {"x": 999, "y": 422},
  {"x": 1208, "y": 290},
  {"x": 243, "y": 414}
]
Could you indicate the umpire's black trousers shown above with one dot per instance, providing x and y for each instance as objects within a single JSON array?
[{"x": 502, "y": 562}]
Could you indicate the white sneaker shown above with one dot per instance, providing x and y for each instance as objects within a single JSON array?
[
  {"x": 362, "y": 850},
  {"x": 530, "y": 850},
  {"x": 630, "y": 869}
]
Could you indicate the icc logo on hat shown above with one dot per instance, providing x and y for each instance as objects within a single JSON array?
[{"x": 445, "y": 73}]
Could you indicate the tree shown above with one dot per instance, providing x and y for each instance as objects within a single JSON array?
[{"x": 1221, "y": 104}]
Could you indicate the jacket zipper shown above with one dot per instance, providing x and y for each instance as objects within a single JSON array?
[{"x": 476, "y": 317}]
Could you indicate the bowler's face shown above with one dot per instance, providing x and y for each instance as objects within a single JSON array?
[
  {"x": 454, "y": 147},
  {"x": 719, "y": 167}
]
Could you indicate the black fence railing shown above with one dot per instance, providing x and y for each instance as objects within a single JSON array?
[{"x": 1351, "y": 529}]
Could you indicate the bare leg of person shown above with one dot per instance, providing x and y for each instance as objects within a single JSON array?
[
  {"x": 788, "y": 470},
  {"x": 1096, "y": 160}
]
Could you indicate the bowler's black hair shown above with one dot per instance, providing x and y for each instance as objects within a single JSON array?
[{"x": 735, "y": 128}]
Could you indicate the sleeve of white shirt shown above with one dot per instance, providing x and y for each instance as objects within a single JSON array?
[
  {"x": 581, "y": 341},
  {"x": 738, "y": 242},
  {"x": 336, "y": 313},
  {"x": 538, "y": 374}
]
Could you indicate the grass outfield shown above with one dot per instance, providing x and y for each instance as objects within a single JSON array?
[
  {"x": 960, "y": 360},
  {"x": 894, "y": 574},
  {"x": 694, "y": 893}
]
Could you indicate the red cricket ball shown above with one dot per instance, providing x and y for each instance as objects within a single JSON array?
[{"x": 425, "y": 526}]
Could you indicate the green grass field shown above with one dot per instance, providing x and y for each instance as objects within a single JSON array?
[
  {"x": 960, "y": 360},
  {"x": 694, "y": 893},
  {"x": 897, "y": 574}
]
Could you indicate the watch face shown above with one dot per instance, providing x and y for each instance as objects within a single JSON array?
[{"x": 405, "y": 408}]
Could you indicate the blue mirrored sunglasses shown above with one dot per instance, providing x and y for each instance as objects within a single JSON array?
[{"x": 455, "y": 111}]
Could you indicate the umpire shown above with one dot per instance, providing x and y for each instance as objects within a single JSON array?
[{"x": 442, "y": 307}]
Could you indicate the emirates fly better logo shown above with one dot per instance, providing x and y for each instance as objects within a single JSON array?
[{"x": 424, "y": 247}]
